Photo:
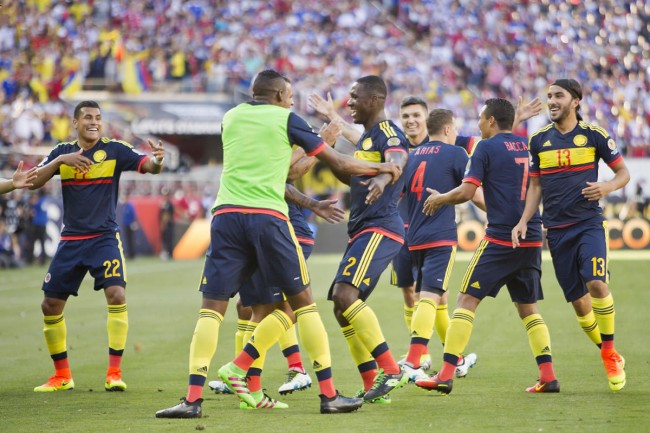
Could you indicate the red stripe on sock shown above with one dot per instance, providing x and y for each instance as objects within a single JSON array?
[
  {"x": 368, "y": 378},
  {"x": 295, "y": 361},
  {"x": 327, "y": 388},
  {"x": 447, "y": 371},
  {"x": 387, "y": 362},
  {"x": 194, "y": 392}
]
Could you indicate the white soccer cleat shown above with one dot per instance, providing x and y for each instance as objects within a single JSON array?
[
  {"x": 414, "y": 373},
  {"x": 296, "y": 381},
  {"x": 467, "y": 362},
  {"x": 425, "y": 362},
  {"x": 219, "y": 387}
]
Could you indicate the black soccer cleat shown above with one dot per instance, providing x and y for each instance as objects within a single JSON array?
[
  {"x": 385, "y": 383},
  {"x": 182, "y": 410},
  {"x": 339, "y": 404}
]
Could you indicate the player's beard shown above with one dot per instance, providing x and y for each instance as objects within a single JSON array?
[{"x": 561, "y": 115}]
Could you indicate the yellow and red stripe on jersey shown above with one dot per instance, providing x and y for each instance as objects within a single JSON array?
[
  {"x": 570, "y": 159},
  {"x": 388, "y": 234},
  {"x": 97, "y": 173},
  {"x": 432, "y": 245},
  {"x": 256, "y": 210},
  {"x": 522, "y": 243}
]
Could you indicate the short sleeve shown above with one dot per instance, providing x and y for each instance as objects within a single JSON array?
[
  {"x": 301, "y": 134},
  {"x": 534, "y": 156},
  {"x": 606, "y": 147},
  {"x": 476, "y": 168}
]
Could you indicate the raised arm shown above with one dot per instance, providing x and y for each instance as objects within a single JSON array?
[
  {"x": 525, "y": 111},
  {"x": 326, "y": 108},
  {"x": 20, "y": 179},
  {"x": 154, "y": 165},
  {"x": 352, "y": 166}
]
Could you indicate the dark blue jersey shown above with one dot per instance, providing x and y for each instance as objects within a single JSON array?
[
  {"x": 441, "y": 167},
  {"x": 382, "y": 215},
  {"x": 501, "y": 165},
  {"x": 467, "y": 143},
  {"x": 402, "y": 207},
  {"x": 90, "y": 199},
  {"x": 565, "y": 163}
]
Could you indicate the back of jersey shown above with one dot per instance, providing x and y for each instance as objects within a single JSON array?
[{"x": 501, "y": 165}]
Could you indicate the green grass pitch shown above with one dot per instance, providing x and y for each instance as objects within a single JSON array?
[{"x": 163, "y": 307}]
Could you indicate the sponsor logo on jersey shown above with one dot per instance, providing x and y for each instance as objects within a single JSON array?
[
  {"x": 580, "y": 140},
  {"x": 99, "y": 156}
]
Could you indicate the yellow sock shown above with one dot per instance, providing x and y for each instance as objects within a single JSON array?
[
  {"x": 365, "y": 324},
  {"x": 239, "y": 335},
  {"x": 269, "y": 331},
  {"x": 604, "y": 313},
  {"x": 313, "y": 337},
  {"x": 204, "y": 341},
  {"x": 590, "y": 327},
  {"x": 459, "y": 332},
  {"x": 249, "y": 328},
  {"x": 117, "y": 325},
  {"x": 538, "y": 336},
  {"x": 442, "y": 322},
  {"x": 55, "y": 333},
  {"x": 358, "y": 350},
  {"x": 289, "y": 338},
  {"x": 408, "y": 316},
  {"x": 424, "y": 318}
]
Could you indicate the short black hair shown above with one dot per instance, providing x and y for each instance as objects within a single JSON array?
[
  {"x": 374, "y": 84},
  {"x": 438, "y": 119},
  {"x": 414, "y": 100},
  {"x": 83, "y": 104},
  {"x": 268, "y": 82},
  {"x": 502, "y": 110}
]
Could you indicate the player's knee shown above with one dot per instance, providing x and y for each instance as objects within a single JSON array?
[
  {"x": 52, "y": 306},
  {"x": 597, "y": 288}
]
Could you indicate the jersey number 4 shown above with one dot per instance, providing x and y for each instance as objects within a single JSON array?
[{"x": 417, "y": 184}]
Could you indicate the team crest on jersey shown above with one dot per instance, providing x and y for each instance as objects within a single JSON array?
[
  {"x": 48, "y": 277},
  {"x": 547, "y": 143},
  {"x": 580, "y": 140},
  {"x": 366, "y": 144},
  {"x": 99, "y": 156},
  {"x": 611, "y": 144},
  {"x": 393, "y": 141}
]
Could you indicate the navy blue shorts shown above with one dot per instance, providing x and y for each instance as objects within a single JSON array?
[
  {"x": 579, "y": 255},
  {"x": 403, "y": 273},
  {"x": 434, "y": 267},
  {"x": 244, "y": 243},
  {"x": 494, "y": 265},
  {"x": 102, "y": 256},
  {"x": 270, "y": 295},
  {"x": 365, "y": 259}
]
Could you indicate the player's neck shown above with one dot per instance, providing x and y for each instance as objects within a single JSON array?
[
  {"x": 379, "y": 117},
  {"x": 566, "y": 125},
  {"x": 418, "y": 139},
  {"x": 85, "y": 145}
]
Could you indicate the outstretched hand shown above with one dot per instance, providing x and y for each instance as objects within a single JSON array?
[
  {"x": 432, "y": 203},
  {"x": 22, "y": 179},
  {"x": 529, "y": 109},
  {"x": 328, "y": 210},
  {"x": 322, "y": 106},
  {"x": 158, "y": 151},
  {"x": 330, "y": 132}
]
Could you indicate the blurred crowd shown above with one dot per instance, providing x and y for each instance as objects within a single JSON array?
[{"x": 456, "y": 53}]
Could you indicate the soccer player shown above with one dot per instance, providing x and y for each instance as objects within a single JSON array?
[
  {"x": 376, "y": 234},
  {"x": 20, "y": 179},
  {"x": 439, "y": 165},
  {"x": 90, "y": 169},
  {"x": 564, "y": 173},
  {"x": 500, "y": 164},
  {"x": 250, "y": 231}
]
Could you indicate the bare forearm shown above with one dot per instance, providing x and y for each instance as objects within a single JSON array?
[
  {"x": 45, "y": 173},
  {"x": 292, "y": 194},
  {"x": 533, "y": 198},
  {"x": 300, "y": 167},
  {"x": 6, "y": 185}
]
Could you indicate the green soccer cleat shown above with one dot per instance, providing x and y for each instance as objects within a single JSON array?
[
  {"x": 385, "y": 383},
  {"x": 264, "y": 401},
  {"x": 384, "y": 399},
  {"x": 114, "y": 382},
  {"x": 615, "y": 368},
  {"x": 235, "y": 378}
]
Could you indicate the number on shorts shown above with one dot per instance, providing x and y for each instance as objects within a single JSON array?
[
  {"x": 108, "y": 272},
  {"x": 351, "y": 262},
  {"x": 599, "y": 266}
]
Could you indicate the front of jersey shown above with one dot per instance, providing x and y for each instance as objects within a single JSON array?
[
  {"x": 90, "y": 198},
  {"x": 382, "y": 215},
  {"x": 501, "y": 165},
  {"x": 565, "y": 163},
  {"x": 439, "y": 166}
]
